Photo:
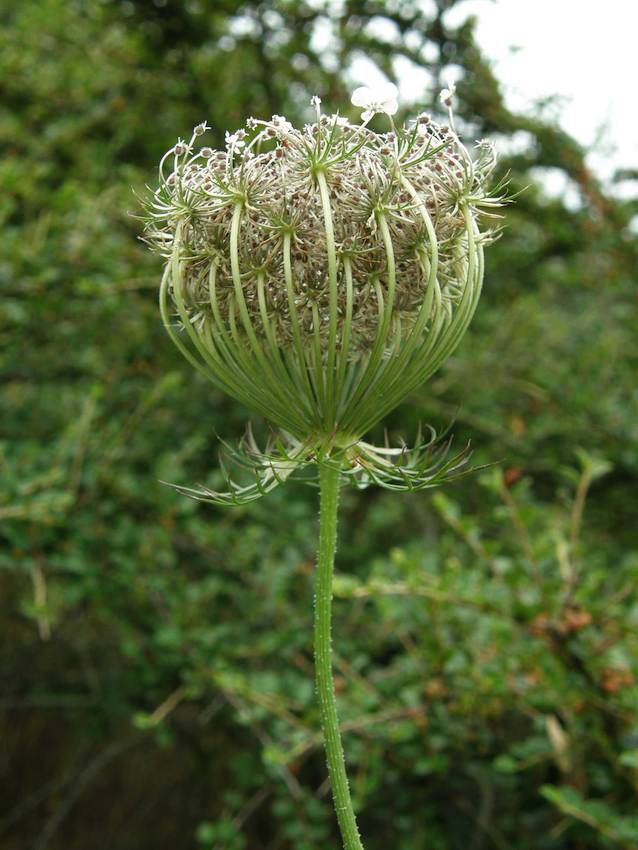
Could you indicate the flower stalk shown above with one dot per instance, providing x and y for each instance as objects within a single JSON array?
[
  {"x": 329, "y": 500},
  {"x": 318, "y": 276}
]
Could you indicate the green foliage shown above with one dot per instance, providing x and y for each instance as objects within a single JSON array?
[
  {"x": 155, "y": 651},
  {"x": 613, "y": 830}
]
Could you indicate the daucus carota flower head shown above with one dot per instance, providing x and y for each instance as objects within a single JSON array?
[{"x": 319, "y": 274}]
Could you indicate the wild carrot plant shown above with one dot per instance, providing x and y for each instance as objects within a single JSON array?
[{"x": 318, "y": 276}]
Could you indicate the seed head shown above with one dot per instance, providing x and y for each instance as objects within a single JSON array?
[{"x": 320, "y": 274}]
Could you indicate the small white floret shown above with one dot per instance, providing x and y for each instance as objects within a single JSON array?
[
  {"x": 234, "y": 140},
  {"x": 447, "y": 94},
  {"x": 373, "y": 99}
]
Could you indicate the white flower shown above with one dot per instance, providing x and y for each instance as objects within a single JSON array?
[
  {"x": 315, "y": 101},
  {"x": 373, "y": 99},
  {"x": 447, "y": 94},
  {"x": 486, "y": 145},
  {"x": 181, "y": 148},
  {"x": 282, "y": 123},
  {"x": 234, "y": 140}
]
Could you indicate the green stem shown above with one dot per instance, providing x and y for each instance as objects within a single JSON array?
[{"x": 329, "y": 499}]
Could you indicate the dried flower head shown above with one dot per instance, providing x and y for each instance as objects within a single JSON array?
[{"x": 320, "y": 274}]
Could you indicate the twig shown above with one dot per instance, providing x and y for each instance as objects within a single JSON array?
[
  {"x": 86, "y": 776},
  {"x": 40, "y": 600},
  {"x": 170, "y": 704}
]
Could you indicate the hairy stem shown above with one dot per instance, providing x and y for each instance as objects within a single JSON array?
[{"x": 329, "y": 489}]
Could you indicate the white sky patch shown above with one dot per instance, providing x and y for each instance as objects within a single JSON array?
[
  {"x": 584, "y": 52},
  {"x": 556, "y": 184},
  {"x": 414, "y": 83},
  {"x": 364, "y": 71},
  {"x": 580, "y": 54}
]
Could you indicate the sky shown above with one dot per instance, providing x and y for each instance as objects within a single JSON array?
[
  {"x": 582, "y": 51},
  {"x": 585, "y": 51}
]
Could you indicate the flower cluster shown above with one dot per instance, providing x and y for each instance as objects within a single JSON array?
[{"x": 316, "y": 271}]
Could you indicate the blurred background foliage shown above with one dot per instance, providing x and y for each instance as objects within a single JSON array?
[{"x": 155, "y": 655}]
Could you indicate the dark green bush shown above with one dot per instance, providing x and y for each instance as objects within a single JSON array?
[{"x": 156, "y": 652}]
